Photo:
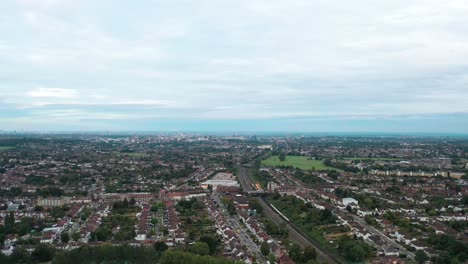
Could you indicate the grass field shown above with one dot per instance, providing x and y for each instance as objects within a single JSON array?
[
  {"x": 4, "y": 148},
  {"x": 300, "y": 162}
]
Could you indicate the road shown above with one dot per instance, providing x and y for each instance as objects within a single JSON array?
[
  {"x": 295, "y": 235},
  {"x": 382, "y": 236},
  {"x": 240, "y": 231},
  {"x": 245, "y": 238}
]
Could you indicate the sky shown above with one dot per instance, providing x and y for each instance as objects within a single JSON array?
[{"x": 245, "y": 65}]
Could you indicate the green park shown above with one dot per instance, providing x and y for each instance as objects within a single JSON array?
[
  {"x": 5, "y": 148},
  {"x": 301, "y": 162}
]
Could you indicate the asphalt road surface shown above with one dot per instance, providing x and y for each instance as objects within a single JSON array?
[
  {"x": 242, "y": 234},
  {"x": 383, "y": 236}
]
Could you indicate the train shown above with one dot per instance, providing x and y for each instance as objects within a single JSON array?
[{"x": 280, "y": 213}]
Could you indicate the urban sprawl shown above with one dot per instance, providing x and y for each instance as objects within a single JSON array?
[{"x": 162, "y": 198}]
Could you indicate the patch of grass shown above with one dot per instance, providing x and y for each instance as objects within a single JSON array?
[
  {"x": 301, "y": 162},
  {"x": 5, "y": 148}
]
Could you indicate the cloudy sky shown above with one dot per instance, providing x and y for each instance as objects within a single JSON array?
[{"x": 244, "y": 65}]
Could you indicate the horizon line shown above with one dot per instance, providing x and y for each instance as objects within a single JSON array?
[{"x": 233, "y": 132}]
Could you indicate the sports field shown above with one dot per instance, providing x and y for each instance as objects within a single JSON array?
[
  {"x": 300, "y": 162},
  {"x": 4, "y": 148}
]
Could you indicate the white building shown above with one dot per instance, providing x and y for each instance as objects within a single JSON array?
[
  {"x": 349, "y": 201},
  {"x": 216, "y": 183}
]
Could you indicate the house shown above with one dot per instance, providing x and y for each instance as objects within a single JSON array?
[
  {"x": 10, "y": 240},
  {"x": 48, "y": 237},
  {"x": 285, "y": 259},
  {"x": 228, "y": 189},
  {"x": 179, "y": 238},
  {"x": 417, "y": 245},
  {"x": 8, "y": 250},
  {"x": 362, "y": 233},
  {"x": 364, "y": 213},
  {"x": 241, "y": 202},
  {"x": 286, "y": 190},
  {"x": 390, "y": 251},
  {"x": 142, "y": 228},
  {"x": 350, "y": 202},
  {"x": 13, "y": 207}
]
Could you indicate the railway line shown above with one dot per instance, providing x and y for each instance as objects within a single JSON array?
[
  {"x": 304, "y": 239},
  {"x": 295, "y": 234}
]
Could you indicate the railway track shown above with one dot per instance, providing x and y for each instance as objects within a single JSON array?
[
  {"x": 329, "y": 257},
  {"x": 296, "y": 234}
]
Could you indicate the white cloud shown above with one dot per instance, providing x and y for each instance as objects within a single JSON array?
[
  {"x": 53, "y": 93},
  {"x": 41, "y": 4},
  {"x": 243, "y": 60}
]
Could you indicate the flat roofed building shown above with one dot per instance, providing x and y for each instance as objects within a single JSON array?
[
  {"x": 350, "y": 201},
  {"x": 216, "y": 183}
]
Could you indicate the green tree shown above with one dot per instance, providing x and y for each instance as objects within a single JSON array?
[
  {"x": 421, "y": 257},
  {"x": 60, "y": 258},
  {"x": 20, "y": 255},
  {"x": 264, "y": 248},
  {"x": 160, "y": 246},
  {"x": 102, "y": 234},
  {"x": 200, "y": 248},
  {"x": 10, "y": 220},
  {"x": 211, "y": 241},
  {"x": 465, "y": 199},
  {"x": 282, "y": 157},
  {"x": 4, "y": 259},
  {"x": 125, "y": 203},
  {"x": 231, "y": 208},
  {"x": 309, "y": 254},
  {"x": 154, "y": 208},
  {"x": 354, "y": 250},
  {"x": 256, "y": 205},
  {"x": 179, "y": 257},
  {"x": 295, "y": 253},
  {"x": 76, "y": 236},
  {"x": 43, "y": 253},
  {"x": 356, "y": 253},
  {"x": 24, "y": 227},
  {"x": 92, "y": 236},
  {"x": 65, "y": 237},
  {"x": 272, "y": 258}
]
